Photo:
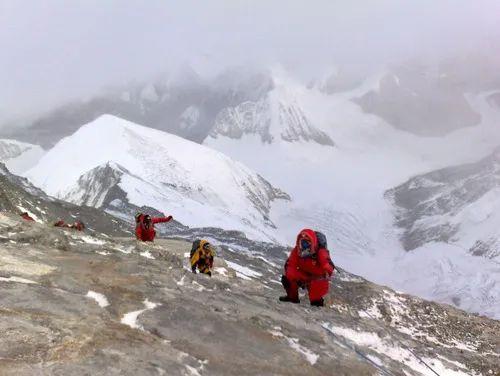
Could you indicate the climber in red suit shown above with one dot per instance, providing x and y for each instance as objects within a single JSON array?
[
  {"x": 145, "y": 226},
  {"x": 308, "y": 266}
]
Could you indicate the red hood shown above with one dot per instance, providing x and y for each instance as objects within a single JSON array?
[{"x": 311, "y": 235}]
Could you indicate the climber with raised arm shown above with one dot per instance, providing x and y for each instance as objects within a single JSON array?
[
  {"x": 145, "y": 226},
  {"x": 308, "y": 266}
]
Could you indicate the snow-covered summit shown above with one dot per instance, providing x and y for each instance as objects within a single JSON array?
[
  {"x": 276, "y": 116},
  {"x": 197, "y": 185}
]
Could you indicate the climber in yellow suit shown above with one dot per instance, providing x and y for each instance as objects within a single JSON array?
[{"x": 202, "y": 257}]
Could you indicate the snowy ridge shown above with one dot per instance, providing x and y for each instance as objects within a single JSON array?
[
  {"x": 457, "y": 204},
  {"x": 19, "y": 156},
  {"x": 276, "y": 116},
  {"x": 197, "y": 185}
]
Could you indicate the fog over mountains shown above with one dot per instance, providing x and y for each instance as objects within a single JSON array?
[{"x": 376, "y": 124}]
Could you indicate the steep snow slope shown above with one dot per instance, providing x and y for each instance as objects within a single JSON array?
[
  {"x": 340, "y": 189},
  {"x": 197, "y": 185},
  {"x": 19, "y": 156}
]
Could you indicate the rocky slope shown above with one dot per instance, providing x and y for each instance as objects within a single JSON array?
[
  {"x": 110, "y": 306},
  {"x": 18, "y": 195}
]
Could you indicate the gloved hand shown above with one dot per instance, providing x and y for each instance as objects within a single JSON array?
[{"x": 169, "y": 218}]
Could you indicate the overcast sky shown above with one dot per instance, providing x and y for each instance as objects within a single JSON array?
[{"x": 52, "y": 51}]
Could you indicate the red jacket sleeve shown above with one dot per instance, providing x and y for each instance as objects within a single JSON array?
[
  {"x": 292, "y": 270},
  {"x": 155, "y": 220},
  {"x": 324, "y": 261}
]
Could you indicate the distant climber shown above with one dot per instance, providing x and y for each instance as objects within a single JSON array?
[
  {"x": 145, "y": 226},
  {"x": 60, "y": 223},
  {"x": 26, "y": 217},
  {"x": 202, "y": 257},
  {"x": 308, "y": 266},
  {"x": 77, "y": 225}
]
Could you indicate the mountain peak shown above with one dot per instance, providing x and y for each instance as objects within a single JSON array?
[{"x": 158, "y": 170}]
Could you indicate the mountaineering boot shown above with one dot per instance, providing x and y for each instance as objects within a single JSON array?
[
  {"x": 318, "y": 303},
  {"x": 287, "y": 299}
]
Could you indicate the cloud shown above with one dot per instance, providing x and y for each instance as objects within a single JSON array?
[{"x": 54, "y": 50}]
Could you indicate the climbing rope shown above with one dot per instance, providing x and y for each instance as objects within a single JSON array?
[
  {"x": 403, "y": 345},
  {"x": 358, "y": 352},
  {"x": 392, "y": 335}
]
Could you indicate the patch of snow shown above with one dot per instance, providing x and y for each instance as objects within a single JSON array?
[
  {"x": 242, "y": 271},
  {"x": 122, "y": 250},
  {"x": 198, "y": 286},
  {"x": 181, "y": 281},
  {"x": 397, "y": 353},
  {"x": 130, "y": 318},
  {"x": 99, "y": 298},
  {"x": 371, "y": 312},
  {"x": 192, "y": 371},
  {"x": 147, "y": 254},
  {"x": 268, "y": 262},
  {"x": 311, "y": 357},
  {"x": 220, "y": 270},
  {"x": 91, "y": 240},
  {"x": 17, "y": 280},
  {"x": 344, "y": 277}
]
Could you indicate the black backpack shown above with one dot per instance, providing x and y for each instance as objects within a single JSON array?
[
  {"x": 138, "y": 217},
  {"x": 322, "y": 243},
  {"x": 196, "y": 245}
]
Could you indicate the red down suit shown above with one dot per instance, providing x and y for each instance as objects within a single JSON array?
[{"x": 312, "y": 271}]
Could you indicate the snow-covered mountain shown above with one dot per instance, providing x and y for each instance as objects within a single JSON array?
[
  {"x": 269, "y": 118},
  {"x": 19, "y": 156},
  {"x": 341, "y": 189},
  {"x": 457, "y": 205},
  {"x": 110, "y": 160}
]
